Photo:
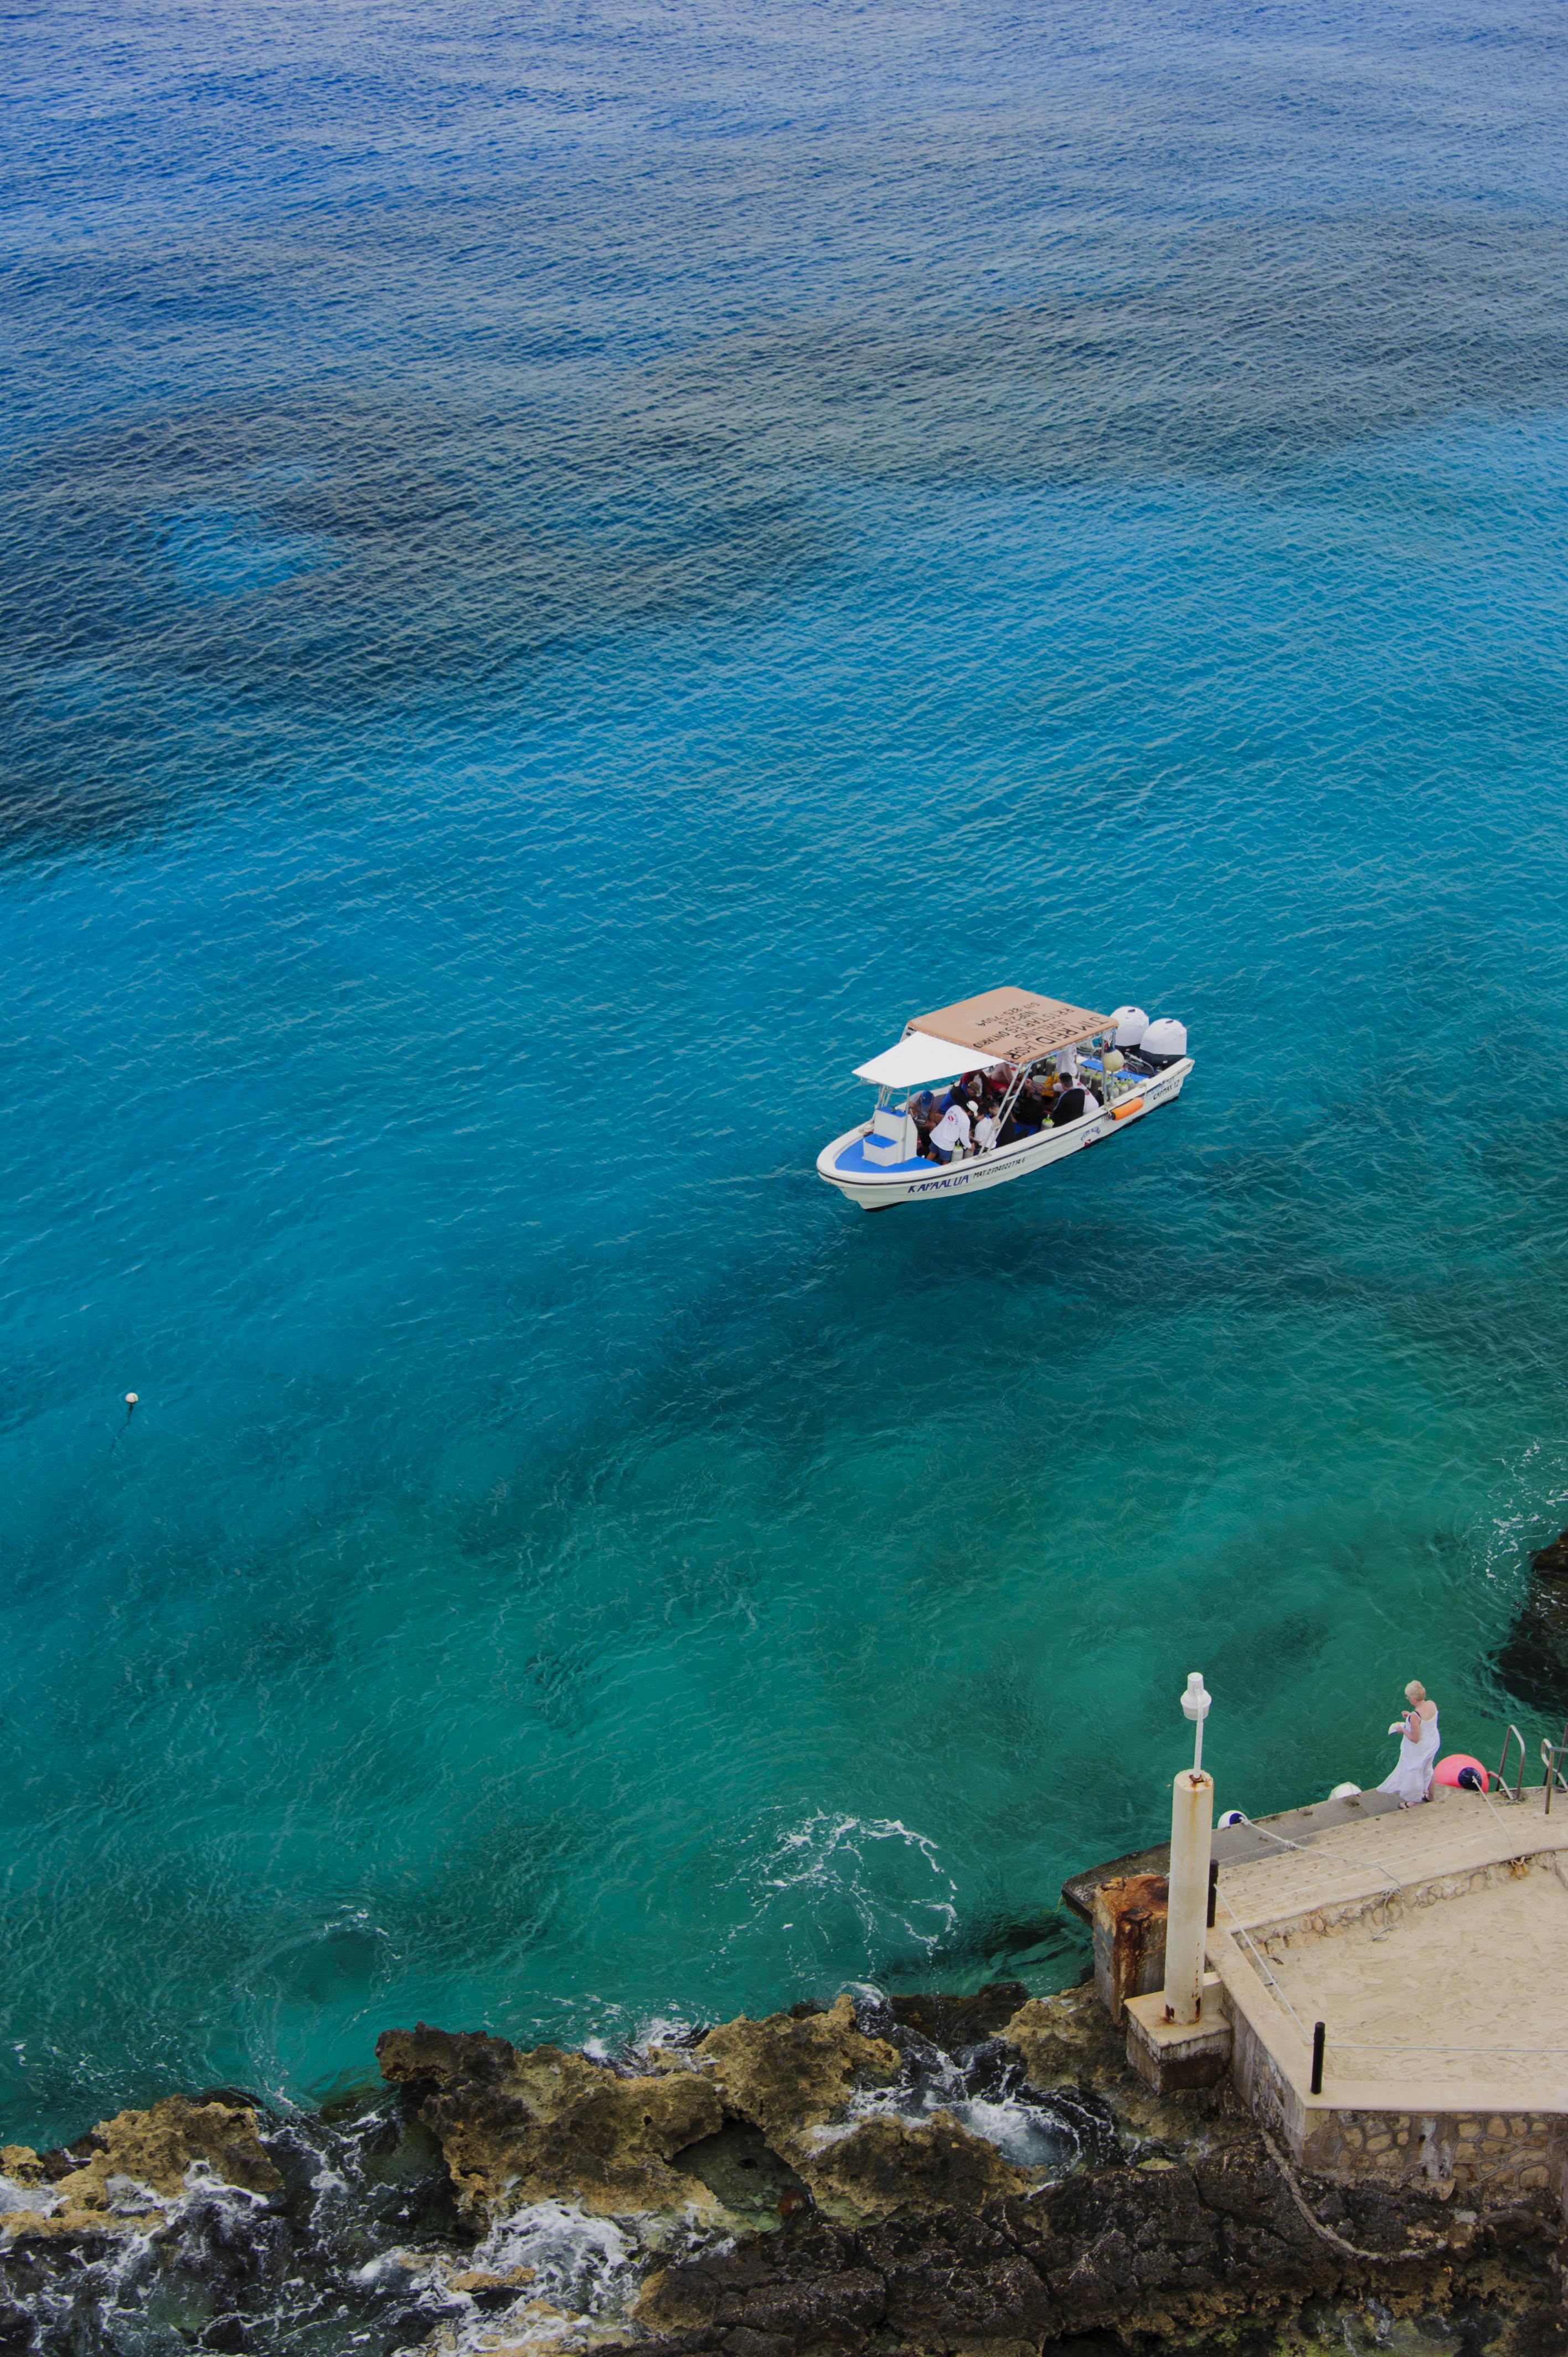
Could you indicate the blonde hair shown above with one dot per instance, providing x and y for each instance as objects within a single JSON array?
[{"x": 1415, "y": 1691}]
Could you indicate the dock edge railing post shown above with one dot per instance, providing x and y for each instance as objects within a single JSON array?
[{"x": 1318, "y": 2035}]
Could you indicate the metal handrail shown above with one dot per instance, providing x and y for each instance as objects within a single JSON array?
[
  {"x": 1513, "y": 1736},
  {"x": 1551, "y": 1753}
]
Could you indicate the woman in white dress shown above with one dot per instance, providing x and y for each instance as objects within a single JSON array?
[{"x": 1411, "y": 1779}]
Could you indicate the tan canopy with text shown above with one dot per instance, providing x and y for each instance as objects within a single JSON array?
[{"x": 1014, "y": 1027}]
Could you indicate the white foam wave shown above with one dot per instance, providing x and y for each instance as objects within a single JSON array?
[
  {"x": 1019, "y": 2130},
  {"x": 985, "y": 2094},
  {"x": 832, "y": 1881},
  {"x": 37, "y": 2197},
  {"x": 585, "y": 2262},
  {"x": 665, "y": 2030},
  {"x": 575, "y": 2276}
]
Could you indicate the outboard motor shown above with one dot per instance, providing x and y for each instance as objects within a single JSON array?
[
  {"x": 1131, "y": 1025},
  {"x": 1163, "y": 1043}
]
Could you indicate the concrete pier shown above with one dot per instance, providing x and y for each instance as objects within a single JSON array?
[{"x": 1432, "y": 1945}]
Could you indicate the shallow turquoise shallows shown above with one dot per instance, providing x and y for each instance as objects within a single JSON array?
[{"x": 561, "y": 573}]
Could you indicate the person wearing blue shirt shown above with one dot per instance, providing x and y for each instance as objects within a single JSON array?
[{"x": 924, "y": 1114}]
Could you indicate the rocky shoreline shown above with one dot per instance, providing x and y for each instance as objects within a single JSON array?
[{"x": 925, "y": 2175}]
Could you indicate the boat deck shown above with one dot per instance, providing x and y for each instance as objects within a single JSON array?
[
  {"x": 853, "y": 1161},
  {"x": 854, "y": 1164}
]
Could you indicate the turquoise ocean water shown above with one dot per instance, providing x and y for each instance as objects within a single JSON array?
[{"x": 562, "y": 572}]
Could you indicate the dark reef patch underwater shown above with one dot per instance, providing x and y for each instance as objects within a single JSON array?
[
  {"x": 282, "y": 556},
  {"x": 560, "y": 573}
]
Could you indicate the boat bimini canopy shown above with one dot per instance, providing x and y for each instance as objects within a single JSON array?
[
  {"x": 1000, "y": 1027},
  {"x": 916, "y": 1058}
]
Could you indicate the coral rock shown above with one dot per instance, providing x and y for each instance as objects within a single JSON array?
[
  {"x": 787, "y": 2075},
  {"x": 954, "y": 2023},
  {"x": 1214, "y": 2247},
  {"x": 517, "y": 2127},
  {"x": 1068, "y": 2040},
  {"x": 138, "y": 2160},
  {"x": 884, "y": 2165},
  {"x": 792, "y": 2076}
]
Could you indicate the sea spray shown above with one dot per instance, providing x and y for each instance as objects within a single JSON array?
[{"x": 830, "y": 1881}]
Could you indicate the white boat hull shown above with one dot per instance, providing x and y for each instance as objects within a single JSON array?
[{"x": 876, "y": 1190}]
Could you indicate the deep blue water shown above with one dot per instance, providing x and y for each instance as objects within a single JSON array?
[{"x": 561, "y": 573}]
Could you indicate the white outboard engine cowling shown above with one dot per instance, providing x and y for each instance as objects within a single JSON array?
[
  {"x": 1164, "y": 1042},
  {"x": 1131, "y": 1025}
]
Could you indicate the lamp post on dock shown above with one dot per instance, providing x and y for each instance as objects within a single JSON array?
[{"x": 1192, "y": 1818}]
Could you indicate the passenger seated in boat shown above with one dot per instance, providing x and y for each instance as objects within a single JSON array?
[
  {"x": 1073, "y": 1103},
  {"x": 952, "y": 1133},
  {"x": 1029, "y": 1109},
  {"x": 985, "y": 1130}
]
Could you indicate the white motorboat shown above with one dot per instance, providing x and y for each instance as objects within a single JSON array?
[{"x": 1102, "y": 1073}]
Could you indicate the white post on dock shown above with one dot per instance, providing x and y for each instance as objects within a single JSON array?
[{"x": 1187, "y": 1922}]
